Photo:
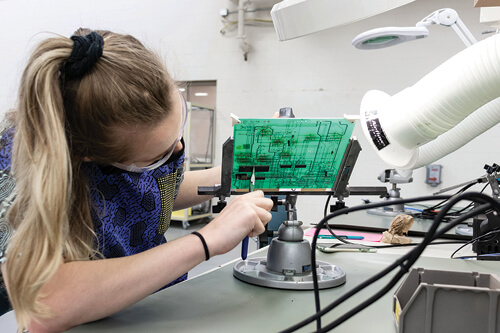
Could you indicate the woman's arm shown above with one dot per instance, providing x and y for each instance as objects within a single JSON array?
[
  {"x": 85, "y": 291},
  {"x": 188, "y": 192}
]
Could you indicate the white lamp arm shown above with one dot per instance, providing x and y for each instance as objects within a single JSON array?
[
  {"x": 464, "y": 33},
  {"x": 443, "y": 16},
  {"x": 449, "y": 17}
]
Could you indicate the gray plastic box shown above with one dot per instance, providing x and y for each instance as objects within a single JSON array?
[{"x": 447, "y": 302}]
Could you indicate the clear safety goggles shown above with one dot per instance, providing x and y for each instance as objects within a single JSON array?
[{"x": 161, "y": 161}]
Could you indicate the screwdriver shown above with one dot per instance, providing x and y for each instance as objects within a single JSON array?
[{"x": 244, "y": 244}]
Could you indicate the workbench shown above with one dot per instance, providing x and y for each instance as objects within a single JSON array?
[{"x": 218, "y": 302}]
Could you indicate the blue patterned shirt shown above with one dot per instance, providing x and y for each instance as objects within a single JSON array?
[{"x": 130, "y": 211}]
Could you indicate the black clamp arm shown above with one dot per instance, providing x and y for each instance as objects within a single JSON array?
[{"x": 222, "y": 190}]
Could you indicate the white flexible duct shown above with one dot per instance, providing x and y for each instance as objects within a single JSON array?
[
  {"x": 398, "y": 125},
  {"x": 478, "y": 122}
]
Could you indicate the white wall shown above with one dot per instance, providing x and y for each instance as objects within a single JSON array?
[{"x": 320, "y": 75}]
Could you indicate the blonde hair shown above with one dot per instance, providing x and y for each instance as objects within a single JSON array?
[{"x": 58, "y": 123}]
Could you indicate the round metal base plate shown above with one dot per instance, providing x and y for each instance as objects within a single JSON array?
[{"x": 254, "y": 271}]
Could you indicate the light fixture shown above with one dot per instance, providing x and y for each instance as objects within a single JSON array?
[
  {"x": 182, "y": 89},
  {"x": 201, "y": 94},
  {"x": 297, "y": 18},
  {"x": 389, "y": 36}
]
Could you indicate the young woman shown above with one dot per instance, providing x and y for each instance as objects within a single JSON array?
[{"x": 91, "y": 163}]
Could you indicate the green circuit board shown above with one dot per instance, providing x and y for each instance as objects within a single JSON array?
[{"x": 288, "y": 153}]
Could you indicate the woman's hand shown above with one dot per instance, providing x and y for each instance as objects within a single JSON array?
[{"x": 245, "y": 215}]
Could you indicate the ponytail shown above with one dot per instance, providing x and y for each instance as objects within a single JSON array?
[{"x": 41, "y": 164}]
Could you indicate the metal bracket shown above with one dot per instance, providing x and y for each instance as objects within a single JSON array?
[
  {"x": 350, "y": 157},
  {"x": 222, "y": 190}
]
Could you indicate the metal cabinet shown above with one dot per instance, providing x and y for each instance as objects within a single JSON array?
[{"x": 199, "y": 149}]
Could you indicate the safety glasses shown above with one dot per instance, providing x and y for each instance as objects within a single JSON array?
[{"x": 161, "y": 161}]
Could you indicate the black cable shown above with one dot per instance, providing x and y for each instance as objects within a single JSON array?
[
  {"x": 474, "y": 240},
  {"x": 448, "y": 227},
  {"x": 325, "y": 211},
  {"x": 415, "y": 253},
  {"x": 463, "y": 189},
  {"x": 411, "y": 257},
  {"x": 315, "y": 237},
  {"x": 429, "y": 213},
  {"x": 405, "y": 266},
  {"x": 328, "y": 227},
  {"x": 469, "y": 205}
]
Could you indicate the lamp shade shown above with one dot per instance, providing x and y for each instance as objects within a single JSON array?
[{"x": 388, "y": 36}]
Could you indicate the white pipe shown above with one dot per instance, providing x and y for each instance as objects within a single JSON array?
[
  {"x": 475, "y": 124},
  {"x": 434, "y": 105},
  {"x": 244, "y": 45},
  {"x": 241, "y": 18}
]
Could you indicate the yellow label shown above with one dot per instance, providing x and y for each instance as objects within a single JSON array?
[{"x": 397, "y": 310}]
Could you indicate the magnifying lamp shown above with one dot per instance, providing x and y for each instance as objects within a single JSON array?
[{"x": 389, "y": 36}]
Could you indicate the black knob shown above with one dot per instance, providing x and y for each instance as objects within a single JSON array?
[
  {"x": 487, "y": 168},
  {"x": 491, "y": 169},
  {"x": 286, "y": 113},
  {"x": 274, "y": 198},
  {"x": 219, "y": 207},
  {"x": 337, "y": 206}
]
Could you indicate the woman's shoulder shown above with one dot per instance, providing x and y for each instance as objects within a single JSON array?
[
  {"x": 7, "y": 183},
  {"x": 6, "y": 141}
]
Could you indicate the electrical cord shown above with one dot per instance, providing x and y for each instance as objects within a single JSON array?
[
  {"x": 315, "y": 237},
  {"x": 325, "y": 211},
  {"x": 472, "y": 241},
  {"x": 469, "y": 205},
  {"x": 430, "y": 213},
  {"x": 427, "y": 213},
  {"x": 414, "y": 254},
  {"x": 328, "y": 227},
  {"x": 374, "y": 246},
  {"x": 405, "y": 262}
]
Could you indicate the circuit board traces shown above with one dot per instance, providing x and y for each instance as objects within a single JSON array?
[{"x": 289, "y": 153}]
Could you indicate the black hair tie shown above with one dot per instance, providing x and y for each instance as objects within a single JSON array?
[
  {"x": 205, "y": 247},
  {"x": 86, "y": 51}
]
